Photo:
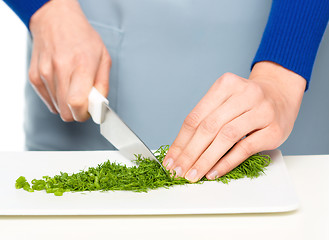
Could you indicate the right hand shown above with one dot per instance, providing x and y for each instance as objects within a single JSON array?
[{"x": 68, "y": 59}]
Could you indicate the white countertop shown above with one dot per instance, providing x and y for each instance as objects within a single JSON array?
[{"x": 311, "y": 221}]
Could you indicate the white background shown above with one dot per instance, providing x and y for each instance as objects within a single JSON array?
[{"x": 13, "y": 38}]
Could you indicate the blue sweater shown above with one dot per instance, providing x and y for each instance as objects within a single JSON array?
[{"x": 291, "y": 38}]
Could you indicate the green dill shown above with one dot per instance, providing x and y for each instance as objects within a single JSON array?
[{"x": 147, "y": 175}]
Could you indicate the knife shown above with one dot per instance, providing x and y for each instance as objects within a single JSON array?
[{"x": 115, "y": 130}]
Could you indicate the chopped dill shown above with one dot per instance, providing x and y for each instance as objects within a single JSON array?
[{"x": 142, "y": 178}]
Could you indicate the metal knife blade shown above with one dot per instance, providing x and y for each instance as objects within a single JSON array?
[
  {"x": 116, "y": 131},
  {"x": 122, "y": 137}
]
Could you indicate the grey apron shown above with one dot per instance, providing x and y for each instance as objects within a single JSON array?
[{"x": 166, "y": 54}]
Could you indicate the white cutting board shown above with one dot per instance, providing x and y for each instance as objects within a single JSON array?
[{"x": 272, "y": 192}]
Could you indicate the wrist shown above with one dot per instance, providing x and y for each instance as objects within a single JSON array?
[
  {"x": 270, "y": 71},
  {"x": 37, "y": 17},
  {"x": 280, "y": 83},
  {"x": 49, "y": 10},
  {"x": 274, "y": 74}
]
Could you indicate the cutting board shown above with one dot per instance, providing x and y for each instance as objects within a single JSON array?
[{"x": 271, "y": 192}]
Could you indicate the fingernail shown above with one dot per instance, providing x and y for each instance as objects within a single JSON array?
[
  {"x": 56, "y": 107},
  {"x": 178, "y": 171},
  {"x": 191, "y": 175},
  {"x": 53, "y": 111},
  {"x": 168, "y": 163},
  {"x": 75, "y": 119},
  {"x": 212, "y": 175}
]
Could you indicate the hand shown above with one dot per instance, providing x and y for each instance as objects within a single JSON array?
[
  {"x": 68, "y": 58},
  {"x": 262, "y": 109}
]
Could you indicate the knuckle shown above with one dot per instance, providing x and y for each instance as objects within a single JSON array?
[
  {"x": 32, "y": 74},
  {"x": 192, "y": 120},
  {"x": 228, "y": 75},
  {"x": 61, "y": 61},
  {"x": 230, "y": 133},
  {"x": 186, "y": 156},
  {"x": 247, "y": 148},
  {"x": 35, "y": 79},
  {"x": 273, "y": 137},
  {"x": 45, "y": 71},
  {"x": 209, "y": 126},
  {"x": 204, "y": 164},
  {"x": 227, "y": 166},
  {"x": 228, "y": 81},
  {"x": 58, "y": 63},
  {"x": 174, "y": 150}
]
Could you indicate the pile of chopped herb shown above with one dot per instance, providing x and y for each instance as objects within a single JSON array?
[{"x": 146, "y": 176}]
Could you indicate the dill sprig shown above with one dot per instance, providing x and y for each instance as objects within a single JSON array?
[{"x": 147, "y": 175}]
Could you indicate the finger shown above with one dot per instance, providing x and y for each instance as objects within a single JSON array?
[
  {"x": 46, "y": 75},
  {"x": 62, "y": 83},
  {"x": 219, "y": 92},
  {"x": 82, "y": 81},
  {"x": 38, "y": 84},
  {"x": 229, "y": 135},
  {"x": 103, "y": 74},
  {"x": 254, "y": 143},
  {"x": 235, "y": 106}
]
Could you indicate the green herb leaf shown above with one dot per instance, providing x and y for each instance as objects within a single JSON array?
[{"x": 147, "y": 176}]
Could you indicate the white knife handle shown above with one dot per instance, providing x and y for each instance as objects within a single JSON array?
[{"x": 95, "y": 105}]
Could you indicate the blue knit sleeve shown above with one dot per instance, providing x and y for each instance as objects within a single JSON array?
[
  {"x": 293, "y": 33},
  {"x": 25, "y": 8}
]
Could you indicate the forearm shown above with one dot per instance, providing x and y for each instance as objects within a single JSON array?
[
  {"x": 293, "y": 33},
  {"x": 25, "y": 8}
]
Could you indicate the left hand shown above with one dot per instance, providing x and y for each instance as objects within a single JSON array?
[{"x": 262, "y": 109}]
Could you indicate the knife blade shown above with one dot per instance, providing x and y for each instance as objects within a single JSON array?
[{"x": 115, "y": 130}]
